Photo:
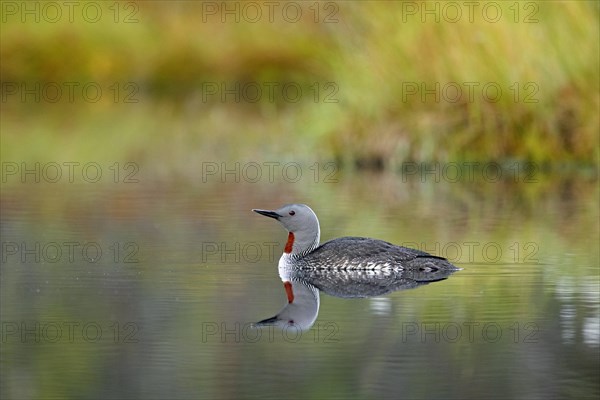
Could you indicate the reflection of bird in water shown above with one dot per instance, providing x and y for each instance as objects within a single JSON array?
[
  {"x": 301, "y": 309},
  {"x": 302, "y": 289},
  {"x": 344, "y": 267},
  {"x": 302, "y": 249}
]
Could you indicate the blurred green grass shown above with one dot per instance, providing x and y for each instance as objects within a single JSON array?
[{"x": 545, "y": 60}]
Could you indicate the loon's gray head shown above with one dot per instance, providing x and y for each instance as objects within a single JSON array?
[{"x": 302, "y": 224}]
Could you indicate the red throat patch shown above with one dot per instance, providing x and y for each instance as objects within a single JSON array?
[
  {"x": 289, "y": 244},
  {"x": 289, "y": 291}
]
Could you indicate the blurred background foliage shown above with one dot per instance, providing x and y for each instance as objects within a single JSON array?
[{"x": 358, "y": 65}]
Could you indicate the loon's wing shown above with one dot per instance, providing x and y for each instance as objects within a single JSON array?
[{"x": 364, "y": 253}]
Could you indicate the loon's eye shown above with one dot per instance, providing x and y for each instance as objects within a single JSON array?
[{"x": 292, "y": 212}]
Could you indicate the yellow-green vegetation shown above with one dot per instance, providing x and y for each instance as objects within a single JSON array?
[{"x": 381, "y": 82}]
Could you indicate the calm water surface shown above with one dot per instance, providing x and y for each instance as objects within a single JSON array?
[{"x": 150, "y": 290}]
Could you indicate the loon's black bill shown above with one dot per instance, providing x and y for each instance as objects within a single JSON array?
[
  {"x": 267, "y": 213},
  {"x": 266, "y": 322}
]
